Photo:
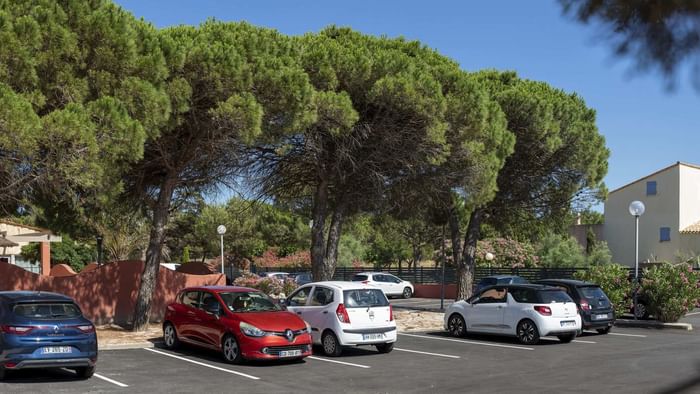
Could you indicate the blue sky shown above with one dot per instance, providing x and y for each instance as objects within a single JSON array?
[{"x": 646, "y": 127}]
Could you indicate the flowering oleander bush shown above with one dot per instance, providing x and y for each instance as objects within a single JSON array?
[
  {"x": 508, "y": 253},
  {"x": 612, "y": 278},
  {"x": 671, "y": 290},
  {"x": 275, "y": 288},
  {"x": 298, "y": 261}
]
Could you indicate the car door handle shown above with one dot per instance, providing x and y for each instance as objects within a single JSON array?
[
  {"x": 500, "y": 307},
  {"x": 325, "y": 312},
  {"x": 298, "y": 313}
]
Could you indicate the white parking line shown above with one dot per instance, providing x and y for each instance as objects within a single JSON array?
[
  {"x": 427, "y": 353},
  {"x": 692, "y": 313},
  {"x": 203, "y": 364},
  {"x": 110, "y": 380},
  {"x": 338, "y": 362},
  {"x": 557, "y": 339},
  {"x": 627, "y": 335},
  {"x": 469, "y": 342}
]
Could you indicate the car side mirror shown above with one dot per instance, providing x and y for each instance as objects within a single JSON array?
[{"x": 214, "y": 309}]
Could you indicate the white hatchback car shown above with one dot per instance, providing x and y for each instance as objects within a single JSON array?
[
  {"x": 345, "y": 314},
  {"x": 527, "y": 312},
  {"x": 392, "y": 285}
]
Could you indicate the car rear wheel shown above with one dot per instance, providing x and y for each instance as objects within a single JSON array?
[
  {"x": 604, "y": 330},
  {"x": 231, "y": 350},
  {"x": 407, "y": 293},
  {"x": 527, "y": 332},
  {"x": 385, "y": 347},
  {"x": 641, "y": 312},
  {"x": 170, "y": 336},
  {"x": 85, "y": 372},
  {"x": 456, "y": 326},
  {"x": 331, "y": 345},
  {"x": 567, "y": 337}
]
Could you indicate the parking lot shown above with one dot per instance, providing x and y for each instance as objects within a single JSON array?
[{"x": 627, "y": 360}]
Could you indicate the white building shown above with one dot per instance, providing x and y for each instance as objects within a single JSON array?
[{"x": 669, "y": 229}]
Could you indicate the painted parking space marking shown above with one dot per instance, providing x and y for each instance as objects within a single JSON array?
[
  {"x": 627, "y": 335},
  {"x": 338, "y": 362},
  {"x": 469, "y": 342},
  {"x": 557, "y": 340},
  {"x": 427, "y": 353},
  {"x": 692, "y": 313},
  {"x": 204, "y": 364},
  {"x": 106, "y": 379}
]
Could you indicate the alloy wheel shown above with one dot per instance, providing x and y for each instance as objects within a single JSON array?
[
  {"x": 456, "y": 326},
  {"x": 230, "y": 349},
  {"x": 169, "y": 335},
  {"x": 527, "y": 332}
]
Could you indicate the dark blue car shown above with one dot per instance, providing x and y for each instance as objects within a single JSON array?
[{"x": 45, "y": 330}]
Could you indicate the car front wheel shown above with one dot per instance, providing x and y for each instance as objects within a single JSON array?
[
  {"x": 170, "y": 336},
  {"x": 407, "y": 293},
  {"x": 331, "y": 345},
  {"x": 527, "y": 332},
  {"x": 385, "y": 347},
  {"x": 456, "y": 325},
  {"x": 231, "y": 351},
  {"x": 641, "y": 312},
  {"x": 85, "y": 372}
]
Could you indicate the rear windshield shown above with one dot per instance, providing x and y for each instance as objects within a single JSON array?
[
  {"x": 592, "y": 292},
  {"x": 359, "y": 278},
  {"x": 487, "y": 282},
  {"x": 363, "y": 298},
  {"x": 43, "y": 310},
  {"x": 549, "y": 296}
]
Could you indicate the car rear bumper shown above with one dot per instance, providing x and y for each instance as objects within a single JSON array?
[
  {"x": 51, "y": 363},
  {"x": 554, "y": 326},
  {"x": 368, "y": 336},
  {"x": 588, "y": 321}
]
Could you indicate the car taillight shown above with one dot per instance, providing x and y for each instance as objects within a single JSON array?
[
  {"x": 86, "y": 329},
  {"x": 342, "y": 314},
  {"x": 17, "y": 330},
  {"x": 391, "y": 313},
  {"x": 585, "y": 305},
  {"x": 543, "y": 310}
]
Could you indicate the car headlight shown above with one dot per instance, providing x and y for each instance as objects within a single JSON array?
[
  {"x": 308, "y": 327},
  {"x": 251, "y": 331}
]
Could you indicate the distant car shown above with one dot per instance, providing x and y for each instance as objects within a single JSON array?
[
  {"x": 345, "y": 314},
  {"x": 390, "y": 284},
  {"x": 240, "y": 322},
  {"x": 303, "y": 278},
  {"x": 524, "y": 311},
  {"x": 45, "y": 330},
  {"x": 275, "y": 275},
  {"x": 499, "y": 280},
  {"x": 596, "y": 310}
]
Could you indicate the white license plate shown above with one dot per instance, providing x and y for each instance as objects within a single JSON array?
[
  {"x": 372, "y": 337},
  {"x": 56, "y": 350},
  {"x": 568, "y": 323},
  {"x": 290, "y": 353},
  {"x": 600, "y": 317}
]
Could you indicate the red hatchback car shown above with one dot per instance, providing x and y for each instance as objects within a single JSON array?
[{"x": 240, "y": 322}]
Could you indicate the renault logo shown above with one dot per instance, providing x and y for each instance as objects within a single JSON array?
[
  {"x": 289, "y": 334},
  {"x": 55, "y": 329}
]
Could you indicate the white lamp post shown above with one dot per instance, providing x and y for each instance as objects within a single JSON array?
[
  {"x": 221, "y": 230},
  {"x": 489, "y": 257},
  {"x": 636, "y": 209}
]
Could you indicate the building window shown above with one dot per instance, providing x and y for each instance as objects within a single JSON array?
[
  {"x": 651, "y": 188},
  {"x": 664, "y": 234}
]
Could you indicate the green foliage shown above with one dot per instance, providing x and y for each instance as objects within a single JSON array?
[
  {"x": 599, "y": 254},
  {"x": 672, "y": 290},
  {"x": 186, "y": 255},
  {"x": 508, "y": 253},
  {"x": 68, "y": 251},
  {"x": 613, "y": 279},
  {"x": 556, "y": 251},
  {"x": 275, "y": 288}
]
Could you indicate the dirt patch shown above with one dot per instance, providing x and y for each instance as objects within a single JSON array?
[{"x": 418, "y": 320}]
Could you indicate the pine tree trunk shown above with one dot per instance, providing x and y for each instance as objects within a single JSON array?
[
  {"x": 149, "y": 277},
  {"x": 318, "y": 243},
  {"x": 334, "y": 232},
  {"x": 465, "y": 271}
]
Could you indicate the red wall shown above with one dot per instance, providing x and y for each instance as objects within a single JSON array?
[
  {"x": 433, "y": 291},
  {"x": 107, "y": 294}
]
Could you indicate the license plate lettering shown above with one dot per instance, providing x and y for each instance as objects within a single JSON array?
[
  {"x": 372, "y": 337},
  {"x": 290, "y": 353},
  {"x": 599, "y": 317},
  {"x": 56, "y": 350},
  {"x": 568, "y": 323}
]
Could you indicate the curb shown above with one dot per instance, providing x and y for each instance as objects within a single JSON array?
[
  {"x": 132, "y": 345},
  {"x": 652, "y": 324},
  {"x": 418, "y": 308}
]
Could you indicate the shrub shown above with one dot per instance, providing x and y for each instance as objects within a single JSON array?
[
  {"x": 557, "y": 251},
  {"x": 599, "y": 254},
  {"x": 671, "y": 290},
  {"x": 508, "y": 253},
  {"x": 275, "y": 288},
  {"x": 298, "y": 261},
  {"x": 612, "y": 278}
]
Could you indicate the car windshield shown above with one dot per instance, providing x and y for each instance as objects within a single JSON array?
[
  {"x": 550, "y": 296},
  {"x": 359, "y": 278},
  {"x": 43, "y": 310},
  {"x": 249, "y": 302},
  {"x": 592, "y": 292},
  {"x": 363, "y": 298}
]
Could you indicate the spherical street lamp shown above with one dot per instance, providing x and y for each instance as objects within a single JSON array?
[
  {"x": 221, "y": 230},
  {"x": 489, "y": 258},
  {"x": 636, "y": 209}
]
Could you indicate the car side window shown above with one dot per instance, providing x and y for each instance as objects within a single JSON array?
[
  {"x": 496, "y": 294},
  {"x": 378, "y": 278},
  {"x": 300, "y": 297},
  {"x": 322, "y": 296},
  {"x": 191, "y": 298},
  {"x": 207, "y": 299},
  {"x": 394, "y": 279},
  {"x": 526, "y": 296}
]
